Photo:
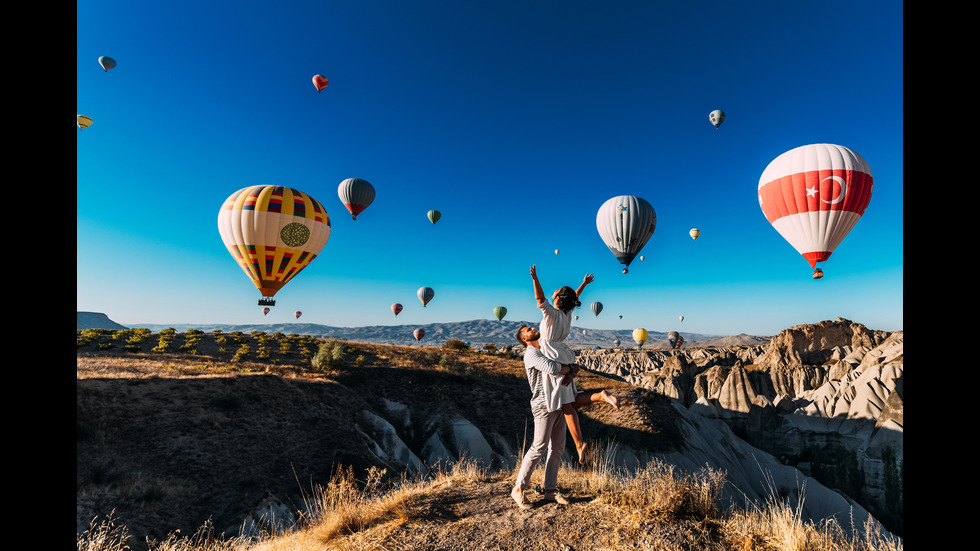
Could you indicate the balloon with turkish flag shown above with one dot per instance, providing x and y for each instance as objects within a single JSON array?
[{"x": 813, "y": 196}]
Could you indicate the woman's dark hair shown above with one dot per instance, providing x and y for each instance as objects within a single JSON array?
[{"x": 567, "y": 299}]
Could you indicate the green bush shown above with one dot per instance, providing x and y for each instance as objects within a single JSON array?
[{"x": 330, "y": 356}]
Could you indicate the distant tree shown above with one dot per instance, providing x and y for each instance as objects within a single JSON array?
[{"x": 329, "y": 356}]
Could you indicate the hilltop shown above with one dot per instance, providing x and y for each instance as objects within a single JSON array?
[{"x": 176, "y": 429}]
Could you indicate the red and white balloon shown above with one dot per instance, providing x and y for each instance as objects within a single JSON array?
[{"x": 813, "y": 195}]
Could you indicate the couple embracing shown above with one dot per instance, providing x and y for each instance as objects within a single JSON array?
[{"x": 550, "y": 366}]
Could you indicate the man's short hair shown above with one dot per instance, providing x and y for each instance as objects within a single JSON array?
[{"x": 519, "y": 331}]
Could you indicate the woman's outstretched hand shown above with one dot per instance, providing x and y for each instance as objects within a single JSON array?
[{"x": 587, "y": 279}]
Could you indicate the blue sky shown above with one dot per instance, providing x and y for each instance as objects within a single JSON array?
[{"x": 516, "y": 120}]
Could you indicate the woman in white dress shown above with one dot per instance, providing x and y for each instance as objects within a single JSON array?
[{"x": 556, "y": 324}]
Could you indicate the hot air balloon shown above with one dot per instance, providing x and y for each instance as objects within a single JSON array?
[
  {"x": 620, "y": 316},
  {"x": 716, "y": 117},
  {"x": 320, "y": 82},
  {"x": 596, "y": 308},
  {"x": 616, "y": 342},
  {"x": 425, "y": 295},
  {"x": 396, "y": 308},
  {"x": 499, "y": 312},
  {"x": 672, "y": 338},
  {"x": 273, "y": 232},
  {"x": 419, "y": 333},
  {"x": 297, "y": 313},
  {"x": 584, "y": 332},
  {"x": 265, "y": 311},
  {"x": 813, "y": 195},
  {"x": 625, "y": 224},
  {"x": 640, "y": 335},
  {"x": 694, "y": 233},
  {"x": 356, "y": 194},
  {"x": 434, "y": 216},
  {"x": 557, "y": 251},
  {"x": 681, "y": 318},
  {"x": 107, "y": 62},
  {"x": 83, "y": 122},
  {"x": 641, "y": 259},
  {"x": 576, "y": 318}
]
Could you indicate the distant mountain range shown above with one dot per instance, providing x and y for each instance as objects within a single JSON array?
[{"x": 475, "y": 332}]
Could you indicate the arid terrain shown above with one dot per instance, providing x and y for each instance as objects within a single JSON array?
[{"x": 171, "y": 441}]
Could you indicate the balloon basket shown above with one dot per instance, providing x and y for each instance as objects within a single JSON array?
[{"x": 267, "y": 302}]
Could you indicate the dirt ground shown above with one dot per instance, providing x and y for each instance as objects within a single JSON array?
[{"x": 171, "y": 441}]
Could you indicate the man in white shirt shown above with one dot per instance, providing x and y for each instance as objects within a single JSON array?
[{"x": 549, "y": 426}]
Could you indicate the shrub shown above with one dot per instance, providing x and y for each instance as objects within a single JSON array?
[
  {"x": 455, "y": 344},
  {"x": 329, "y": 356}
]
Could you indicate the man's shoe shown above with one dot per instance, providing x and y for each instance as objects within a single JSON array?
[
  {"x": 519, "y": 497},
  {"x": 556, "y": 496}
]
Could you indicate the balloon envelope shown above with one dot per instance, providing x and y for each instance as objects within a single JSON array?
[
  {"x": 356, "y": 194},
  {"x": 265, "y": 311},
  {"x": 297, "y": 313},
  {"x": 273, "y": 232},
  {"x": 320, "y": 82},
  {"x": 681, "y": 318},
  {"x": 717, "y": 117},
  {"x": 694, "y": 233},
  {"x": 499, "y": 312},
  {"x": 640, "y": 335},
  {"x": 596, "y": 308},
  {"x": 83, "y": 122},
  {"x": 107, "y": 62},
  {"x": 419, "y": 333},
  {"x": 625, "y": 224},
  {"x": 434, "y": 216},
  {"x": 813, "y": 196},
  {"x": 425, "y": 295},
  {"x": 396, "y": 308}
]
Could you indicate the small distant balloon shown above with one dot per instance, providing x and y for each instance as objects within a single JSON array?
[
  {"x": 681, "y": 318},
  {"x": 396, "y": 308},
  {"x": 83, "y": 122},
  {"x": 356, "y": 194},
  {"x": 425, "y": 295},
  {"x": 641, "y": 258},
  {"x": 297, "y": 313},
  {"x": 557, "y": 251},
  {"x": 434, "y": 216},
  {"x": 419, "y": 333},
  {"x": 107, "y": 62},
  {"x": 620, "y": 316},
  {"x": 640, "y": 335},
  {"x": 265, "y": 311},
  {"x": 320, "y": 82},
  {"x": 694, "y": 233},
  {"x": 576, "y": 318},
  {"x": 716, "y": 117},
  {"x": 596, "y": 308},
  {"x": 616, "y": 342},
  {"x": 499, "y": 312}
]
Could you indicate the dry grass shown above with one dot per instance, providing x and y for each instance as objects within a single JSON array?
[{"x": 631, "y": 511}]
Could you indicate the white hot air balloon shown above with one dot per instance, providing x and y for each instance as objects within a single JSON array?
[
  {"x": 625, "y": 224},
  {"x": 813, "y": 195},
  {"x": 716, "y": 117},
  {"x": 356, "y": 194}
]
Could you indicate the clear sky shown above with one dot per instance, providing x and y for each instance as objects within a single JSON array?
[{"x": 516, "y": 119}]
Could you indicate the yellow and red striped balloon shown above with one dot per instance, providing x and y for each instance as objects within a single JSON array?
[{"x": 273, "y": 232}]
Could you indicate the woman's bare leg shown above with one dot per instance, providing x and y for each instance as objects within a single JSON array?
[
  {"x": 588, "y": 397},
  {"x": 571, "y": 419}
]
